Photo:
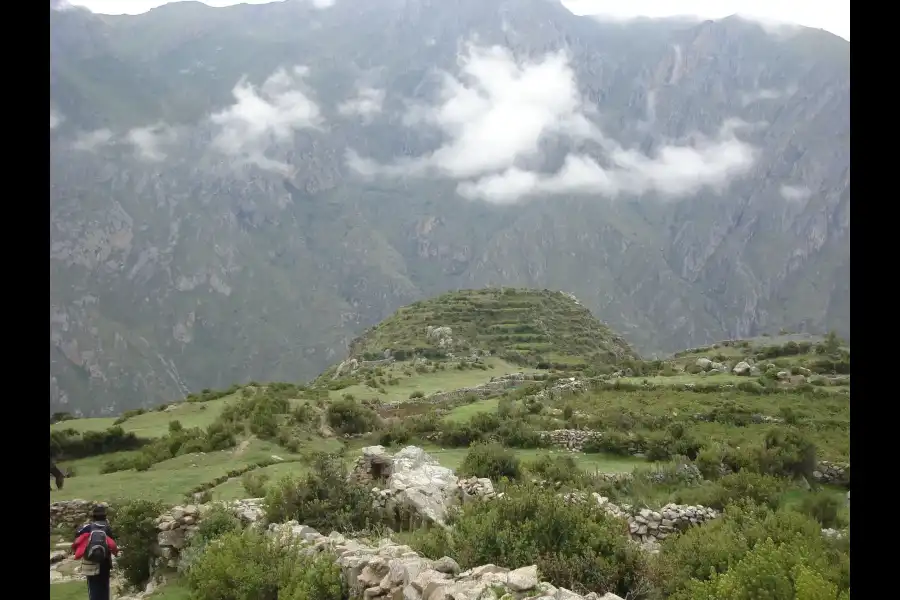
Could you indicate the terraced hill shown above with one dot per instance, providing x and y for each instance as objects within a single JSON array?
[{"x": 524, "y": 326}]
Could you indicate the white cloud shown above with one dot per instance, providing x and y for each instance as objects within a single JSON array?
[
  {"x": 265, "y": 116},
  {"x": 795, "y": 193},
  {"x": 767, "y": 94},
  {"x": 499, "y": 112},
  {"x": 91, "y": 140},
  {"x": 56, "y": 118},
  {"x": 367, "y": 103},
  {"x": 149, "y": 142}
]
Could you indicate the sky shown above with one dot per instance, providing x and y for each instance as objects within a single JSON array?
[{"x": 831, "y": 15}]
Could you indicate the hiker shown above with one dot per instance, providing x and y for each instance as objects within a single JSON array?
[{"x": 94, "y": 545}]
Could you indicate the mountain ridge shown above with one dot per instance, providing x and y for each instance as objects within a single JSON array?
[{"x": 175, "y": 268}]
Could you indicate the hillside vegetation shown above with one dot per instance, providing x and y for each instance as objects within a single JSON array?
[
  {"x": 531, "y": 327},
  {"x": 746, "y": 427}
]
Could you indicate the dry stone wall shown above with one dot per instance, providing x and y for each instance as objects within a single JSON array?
[{"x": 70, "y": 514}]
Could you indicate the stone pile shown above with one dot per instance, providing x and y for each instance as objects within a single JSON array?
[
  {"x": 392, "y": 571},
  {"x": 649, "y": 527},
  {"x": 832, "y": 473},
  {"x": 569, "y": 439},
  {"x": 70, "y": 514},
  {"x": 476, "y": 488}
]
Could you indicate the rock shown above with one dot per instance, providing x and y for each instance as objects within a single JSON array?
[
  {"x": 446, "y": 565},
  {"x": 173, "y": 538},
  {"x": 57, "y": 556},
  {"x": 742, "y": 368},
  {"x": 703, "y": 363},
  {"x": 420, "y": 483},
  {"x": 522, "y": 579}
]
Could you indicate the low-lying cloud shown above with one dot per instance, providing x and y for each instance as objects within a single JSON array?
[
  {"x": 767, "y": 94},
  {"x": 367, "y": 103},
  {"x": 496, "y": 114},
  {"x": 56, "y": 118},
  {"x": 263, "y": 116},
  {"x": 89, "y": 141},
  {"x": 150, "y": 142},
  {"x": 795, "y": 193}
]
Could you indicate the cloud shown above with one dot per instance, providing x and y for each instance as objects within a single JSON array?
[
  {"x": 56, "y": 118},
  {"x": 261, "y": 117},
  {"x": 149, "y": 141},
  {"x": 795, "y": 193},
  {"x": 91, "y": 140},
  {"x": 367, "y": 103},
  {"x": 497, "y": 114},
  {"x": 767, "y": 94}
]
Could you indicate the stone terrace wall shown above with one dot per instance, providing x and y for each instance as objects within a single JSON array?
[{"x": 70, "y": 513}]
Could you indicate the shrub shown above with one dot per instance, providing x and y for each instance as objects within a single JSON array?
[
  {"x": 745, "y": 485},
  {"x": 134, "y": 526},
  {"x": 254, "y": 483},
  {"x": 688, "y": 561},
  {"x": 576, "y": 546},
  {"x": 324, "y": 498},
  {"x": 824, "y": 508},
  {"x": 250, "y": 566},
  {"x": 492, "y": 461},
  {"x": 556, "y": 468},
  {"x": 348, "y": 416}
]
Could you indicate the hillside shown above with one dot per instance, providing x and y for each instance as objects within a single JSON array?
[
  {"x": 683, "y": 441},
  {"x": 686, "y": 181},
  {"x": 526, "y": 326}
]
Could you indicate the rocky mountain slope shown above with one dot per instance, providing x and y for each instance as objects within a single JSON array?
[{"x": 237, "y": 193}]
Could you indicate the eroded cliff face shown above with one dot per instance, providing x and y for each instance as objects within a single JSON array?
[{"x": 175, "y": 269}]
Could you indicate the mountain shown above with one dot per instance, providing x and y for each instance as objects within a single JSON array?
[{"x": 237, "y": 193}]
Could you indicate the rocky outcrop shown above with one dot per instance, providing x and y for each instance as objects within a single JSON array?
[
  {"x": 415, "y": 483},
  {"x": 832, "y": 473},
  {"x": 392, "y": 571}
]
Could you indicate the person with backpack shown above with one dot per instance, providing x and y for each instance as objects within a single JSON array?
[{"x": 94, "y": 545}]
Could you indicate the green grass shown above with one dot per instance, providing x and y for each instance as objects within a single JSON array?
[
  {"x": 156, "y": 423},
  {"x": 71, "y": 590},
  {"x": 429, "y": 383},
  {"x": 170, "y": 480},
  {"x": 603, "y": 463},
  {"x": 466, "y": 411},
  {"x": 234, "y": 490},
  {"x": 534, "y": 321}
]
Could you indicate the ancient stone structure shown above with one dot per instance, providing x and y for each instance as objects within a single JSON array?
[
  {"x": 70, "y": 513},
  {"x": 832, "y": 473},
  {"x": 569, "y": 439}
]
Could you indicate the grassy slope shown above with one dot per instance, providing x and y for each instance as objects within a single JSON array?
[
  {"x": 156, "y": 423},
  {"x": 538, "y": 325},
  {"x": 410, "y": 381}
]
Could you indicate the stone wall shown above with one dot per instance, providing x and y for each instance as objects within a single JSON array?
[
  {"x": 70, "y": 514},
  {"x": 569, "y": 439}
]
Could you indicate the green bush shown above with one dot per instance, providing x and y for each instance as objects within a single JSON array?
[
  {"x": 745, "y": 485},
  {"x": 324, "y": 498},
  {"x": 349, "y": 416},
  {"x": 577, "y": 546},
  {"x": 250, "y": 566},
  {"x": 824, "y": 507},
  {"x": 134, "y": 528},
  {"x": 563, "y": 469},
  {"x": 492, "y": 461},
  {"x": 254, "y": 483},
  {"x": 688, "y": 561}
]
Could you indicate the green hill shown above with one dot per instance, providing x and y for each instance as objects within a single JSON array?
[{"x": 526, "y": 327}]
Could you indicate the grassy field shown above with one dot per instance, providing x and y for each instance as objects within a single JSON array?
[
  {"x": 156, "y": 423},
  {"x": 602, "y": 463},
  {"x": 467, "y": 411},
  {"x": 428, "y": 383},
  {"x": 170, "y": 480}
]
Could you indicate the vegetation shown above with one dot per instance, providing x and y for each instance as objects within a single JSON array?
[
  {"x": 537, "y": 328},
  {"x": 749, "y": 451}
]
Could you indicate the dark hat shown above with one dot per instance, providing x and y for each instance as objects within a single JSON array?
[{"x": 98, "y": 512}]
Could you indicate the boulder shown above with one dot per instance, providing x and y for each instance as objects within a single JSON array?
[{"x": 419, "y": 483}]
